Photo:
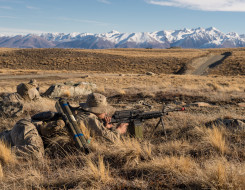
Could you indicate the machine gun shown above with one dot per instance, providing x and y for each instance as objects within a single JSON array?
[
  {"x": 136, "y": 117},
  {"x": 64, "y": 112}
]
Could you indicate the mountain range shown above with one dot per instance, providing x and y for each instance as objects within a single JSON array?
[{"x": 185, "y": 38}]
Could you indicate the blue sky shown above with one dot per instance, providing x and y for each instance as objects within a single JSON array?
[{"x": 99, "y": 16}]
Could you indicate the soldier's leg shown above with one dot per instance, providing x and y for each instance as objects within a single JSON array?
[{"x": 26, "y": 140}]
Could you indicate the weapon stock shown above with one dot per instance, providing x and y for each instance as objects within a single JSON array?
[{"x": 64, "y": 109}]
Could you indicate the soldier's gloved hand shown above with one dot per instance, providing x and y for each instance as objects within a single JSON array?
[{"x": 52, "y": 127}]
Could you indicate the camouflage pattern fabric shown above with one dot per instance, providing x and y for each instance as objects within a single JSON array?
[
  {"x": 28, "y": 91},
  {"x": 96, "y": 127},
  {"x": 10, "y": 109},
  {"x": 26, "y": 140},
  {"x": 53, "y": 128},
  {"x": 12, "y": 97}
]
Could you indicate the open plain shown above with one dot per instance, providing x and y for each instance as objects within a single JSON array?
[{"x": 192, "y": 156}]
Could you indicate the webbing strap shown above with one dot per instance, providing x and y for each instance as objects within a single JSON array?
[{"x": 78, "y": 135}]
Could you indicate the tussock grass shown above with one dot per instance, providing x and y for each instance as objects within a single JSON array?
[
  {"x": 191, "y": 157},
  {"x": 214, "y": 136},
  {"x": 6, "y": 157},
  {"x": 222, "y": 174},
  {"x": 98, "y": 171}
]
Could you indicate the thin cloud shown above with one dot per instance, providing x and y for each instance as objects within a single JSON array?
[
  {"x": 5, "y": 7},
  {"x": 83, "y": 21},
  {"x": 207, "y": 5},
  {"x": 32, "y": 8},
  {"x": 104, "y": 1},
  {"x": 8, "y": 17},
  {"x": 18, "y": 31}
]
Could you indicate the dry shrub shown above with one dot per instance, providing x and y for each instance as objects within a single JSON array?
[
  {"x": 221, "y": 174},
  {"x": 5, "y": 154},
  {"x": 215, "y": 137},
  {"x": 98, "y": 171}
]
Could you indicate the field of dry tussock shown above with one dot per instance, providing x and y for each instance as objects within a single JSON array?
[
  {"x": 192, "y": 156},
  {"x": 161, "y": 61}
]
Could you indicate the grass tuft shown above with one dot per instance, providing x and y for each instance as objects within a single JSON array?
[{"x": 6, "y": 157}]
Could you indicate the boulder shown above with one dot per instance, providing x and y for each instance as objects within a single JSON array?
[
  {"x": 200, "y": 104},
  {"x": 150, "y": 74},
  {"x": 70, "y": 89},
  {"x": 231, "y": 124}
]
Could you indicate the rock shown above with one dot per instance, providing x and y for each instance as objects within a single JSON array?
[
  {"x": 150, "y": 74},
  {"x": 231, "y": 124},
  {"x": 70, "y": 89},
  {"x": 84, "y": 76},
  {"x": 200, "y": 104},
  {"x": 10, "y": 109},
  {"x": 242, "y": 104}
]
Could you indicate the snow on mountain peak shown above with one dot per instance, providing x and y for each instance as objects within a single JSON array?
[{"x": 188, "y": 38}]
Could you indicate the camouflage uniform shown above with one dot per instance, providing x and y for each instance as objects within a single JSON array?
[
  {"x": 96, "y": 104},
  {"x": 96, "y": 126},
  {"x": 28, "y": 91},
  {"x": 11, "y": 104},
  {"x": 25, "y": 137}
]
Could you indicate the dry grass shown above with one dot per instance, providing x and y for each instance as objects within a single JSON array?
[
  {"x": 214, "y": 136},
  {"x": 99, "y": 171},
  {"x": 222, "y": 174},
  {"x": 6, "y": 157},
  {"x": 191, "y": 157}
]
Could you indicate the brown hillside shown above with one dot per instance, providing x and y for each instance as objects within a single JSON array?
[{"x": 118, "y": 60}]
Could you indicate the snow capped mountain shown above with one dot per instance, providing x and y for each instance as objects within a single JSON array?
[{"x": 185, "y": 38}]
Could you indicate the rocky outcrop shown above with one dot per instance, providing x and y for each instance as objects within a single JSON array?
[{"x": 70, "y": 89}]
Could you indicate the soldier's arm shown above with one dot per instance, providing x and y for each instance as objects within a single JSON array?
[{"x": 96, "y": 127}]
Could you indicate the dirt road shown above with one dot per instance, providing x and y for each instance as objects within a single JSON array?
[
  {"x": 202, "y": 65},
  {"x": 201, "y": 70}
]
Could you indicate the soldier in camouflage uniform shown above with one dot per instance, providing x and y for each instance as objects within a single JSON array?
[
  {"x": 11, "y": 104},
  {"x": 29, "y": 91},
  {"x": 26, "y": 137},
  {"x": 96, "y": 118}
]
